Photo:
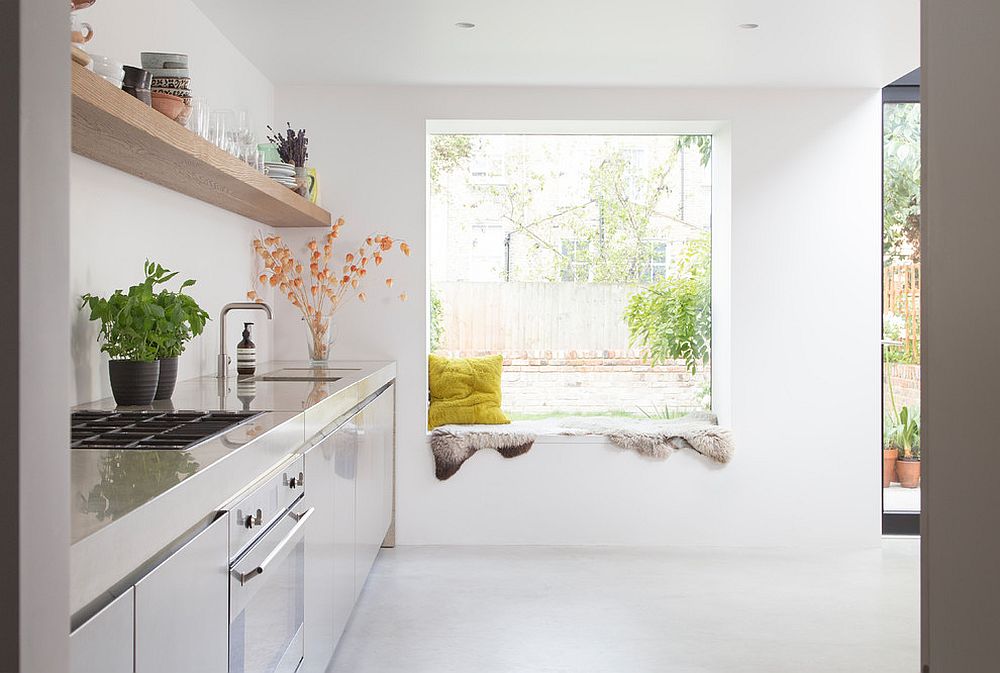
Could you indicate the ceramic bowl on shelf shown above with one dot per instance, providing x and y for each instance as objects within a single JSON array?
[
  {"x": 171, "y": 106},
  {"x": 163, "y": 59},
  {"x": 180, "y": 93},
  {"x": 108, "y": 68},
  {"x": 275, "y": 172},
  {"x": 171, "y": 82},
  {"x": 169, "y": 72}
]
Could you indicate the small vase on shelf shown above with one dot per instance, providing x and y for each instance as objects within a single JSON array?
[
  {"x": 302, "y": 180},
  {"x": 320, "y": 337}
]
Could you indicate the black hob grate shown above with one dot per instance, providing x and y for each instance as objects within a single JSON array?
[{"x": 150, "y": 429}]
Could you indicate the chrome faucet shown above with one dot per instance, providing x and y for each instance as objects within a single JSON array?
[{"x": 224, "y": 359}]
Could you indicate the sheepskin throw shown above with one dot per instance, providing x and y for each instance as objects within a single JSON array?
[{"x": 452, "y": 445}]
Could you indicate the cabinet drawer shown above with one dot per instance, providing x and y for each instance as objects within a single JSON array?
[
  {"x": 105, "y": 643},
  {"x": 182, "y": 608}
]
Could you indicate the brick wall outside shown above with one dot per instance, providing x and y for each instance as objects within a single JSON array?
[
  {"x": 544, "y": 382},
  {"x": 905, "y": 385}
]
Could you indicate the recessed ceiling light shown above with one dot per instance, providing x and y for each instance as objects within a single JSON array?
[
  {"x": 749, "y": 26},
  {"x": 465, "y": 24}
]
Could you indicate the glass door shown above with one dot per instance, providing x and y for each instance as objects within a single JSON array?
[{"x": 901, "y": 306}]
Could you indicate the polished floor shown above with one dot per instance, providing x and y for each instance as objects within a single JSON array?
[{"x": 615, "y": 610}]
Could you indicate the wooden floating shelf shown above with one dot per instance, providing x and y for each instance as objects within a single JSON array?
[{"x": 112, "y": 127}]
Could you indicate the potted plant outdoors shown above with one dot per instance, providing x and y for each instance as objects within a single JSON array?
[
  {"x": 182, "y": 320},
  {"x": 127, "y": 330},
  {"x": 890, "y": 450},
  {"x": 908, "y": 465}
]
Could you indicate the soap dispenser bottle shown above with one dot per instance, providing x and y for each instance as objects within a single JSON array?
[{"x": 246, "y": 353}]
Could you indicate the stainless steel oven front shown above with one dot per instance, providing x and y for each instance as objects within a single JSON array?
[{"x": 267, "y": 571}]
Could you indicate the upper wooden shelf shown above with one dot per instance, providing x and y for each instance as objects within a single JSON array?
[{"x": 116, "y": 129}]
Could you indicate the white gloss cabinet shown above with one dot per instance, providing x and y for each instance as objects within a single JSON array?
[
  {"x": 349, "y": 482},
  {"x": 374, "y": 486},
  {"x": 182, "y": 608},
  {"x": 331, "y": 467},
  {"x": 105, "y": 642}
]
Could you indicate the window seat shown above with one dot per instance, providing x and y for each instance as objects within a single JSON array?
[{"x": 700, "y": 432}]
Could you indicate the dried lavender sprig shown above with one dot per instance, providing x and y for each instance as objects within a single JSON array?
[{"x": 292, "y": 148}]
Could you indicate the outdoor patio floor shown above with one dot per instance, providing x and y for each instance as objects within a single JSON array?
[{"x": 899, "y": 499}]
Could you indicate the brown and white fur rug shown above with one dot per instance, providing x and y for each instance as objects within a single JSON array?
[{"x": 452, "y": 445}]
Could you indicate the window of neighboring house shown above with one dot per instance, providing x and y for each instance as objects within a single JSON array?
[
  {"x": 486, "y": 258},
  {"x": 634, "y": 157},
  {"x": 487, "y": 169},
  {"x": 659, "y": 261},
  {"x": 575, "y": 264}
]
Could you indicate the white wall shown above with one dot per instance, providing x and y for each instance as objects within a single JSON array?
[
  {"x": 960, "y": 92},
  {"x": 118, "y": 220},
  {"x": 804, "y": 322}
]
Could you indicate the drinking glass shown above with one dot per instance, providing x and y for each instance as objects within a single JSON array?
[
  {"x": 217, "y": 130},
  {"x": 224, "y": 124},
  {"x": 200, "y": 120},
  {"x": 243, "y": 126}
]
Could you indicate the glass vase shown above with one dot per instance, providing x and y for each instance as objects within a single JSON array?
[
  {"x": 320, "y": 337},
  {"x": 302, "y": 180}
]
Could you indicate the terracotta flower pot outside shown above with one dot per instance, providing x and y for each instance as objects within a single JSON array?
[
  {"x": 889, "y": 457},
  {"x": 133, "y": 383},
  {"x": 908, "y": 470}
]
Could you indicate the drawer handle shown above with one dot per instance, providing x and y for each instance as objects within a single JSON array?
[{"x": 300, "y": 520}]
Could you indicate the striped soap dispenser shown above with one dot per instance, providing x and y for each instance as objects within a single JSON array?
[{"x": 246, "y": 353}]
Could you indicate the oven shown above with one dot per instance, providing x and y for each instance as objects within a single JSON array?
[{"x": 267, "y": 570}]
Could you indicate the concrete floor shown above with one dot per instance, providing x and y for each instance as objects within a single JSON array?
[
  {"x": 628, "y": 610},
  {"x": 899, "y": 499}
]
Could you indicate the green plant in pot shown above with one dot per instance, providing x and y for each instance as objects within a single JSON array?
[
  {"x": 908, "y": 440},
  {"x": 138, "y": 327},
  {"x": 182, "y": 320}
]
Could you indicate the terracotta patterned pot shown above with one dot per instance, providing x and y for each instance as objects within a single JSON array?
[{"x": 908, "y": 470}]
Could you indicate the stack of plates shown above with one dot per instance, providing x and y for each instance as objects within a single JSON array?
[{"x": 283, "y": 174}]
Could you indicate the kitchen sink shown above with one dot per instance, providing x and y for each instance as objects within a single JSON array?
[{"x": 304, "y": 374}]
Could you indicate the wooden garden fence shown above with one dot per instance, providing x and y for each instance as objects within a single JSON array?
[
  {"x": 501, "y": 317},
  {"x": 901, "y": 297}
]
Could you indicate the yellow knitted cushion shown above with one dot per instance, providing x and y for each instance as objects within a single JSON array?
[{"x": 464, "y": 391}]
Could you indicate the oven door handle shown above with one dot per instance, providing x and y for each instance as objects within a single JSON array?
[{"x": 300, "y": 520}]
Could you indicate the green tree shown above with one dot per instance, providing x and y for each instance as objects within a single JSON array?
[
  {"x": 618, "y": 249},
  {"x": 701, "y": 142},
  {"x": 436, "y": 320},
  {"x": 672, "y": 319},
  {"x": 448, "y": 152},
  {"x": 901, "y": 183}
]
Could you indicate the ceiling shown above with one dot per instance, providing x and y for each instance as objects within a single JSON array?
[{"x": 575, "y": 42}]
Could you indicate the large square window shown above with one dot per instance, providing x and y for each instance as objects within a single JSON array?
[{"x": 585, "y": 260}]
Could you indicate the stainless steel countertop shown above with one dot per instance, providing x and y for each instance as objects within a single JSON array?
[{"x": 127, "y": 506}]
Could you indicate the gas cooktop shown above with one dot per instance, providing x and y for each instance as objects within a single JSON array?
[{"x": 151, "y": 429}]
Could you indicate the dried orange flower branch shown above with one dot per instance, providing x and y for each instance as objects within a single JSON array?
[{"x": 312, "y": 286}]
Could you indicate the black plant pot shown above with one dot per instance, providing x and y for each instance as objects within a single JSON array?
[
  {"x": 167, "y": 380},
  {"x": 133, "y": 383}
]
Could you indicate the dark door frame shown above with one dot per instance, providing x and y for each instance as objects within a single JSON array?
[{"x": 906, "y": 89}]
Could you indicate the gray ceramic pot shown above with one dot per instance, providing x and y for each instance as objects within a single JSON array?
[
  {"x": 167, "y": 379},
  {"x": 133, "y": 383}
]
